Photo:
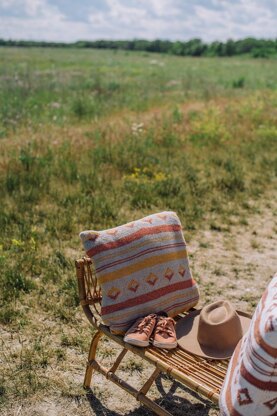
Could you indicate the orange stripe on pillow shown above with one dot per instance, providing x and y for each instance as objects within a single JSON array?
[
  {"x": 156, "y": 305},
  {"x": 260, "y": 384},
  {"x": 158, "y": 239},
  {"x": 140, "y": 254},
  {"x": 258, "y": 337},
  {"x": 132, "y": 237},
  {"x": 148, "y": 262},
  {"x": 147, "y": 297}
]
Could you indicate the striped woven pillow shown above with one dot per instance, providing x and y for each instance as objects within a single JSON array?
[
  {"x": 250, "y": 386},
  {"x": 142, "y": 267}
]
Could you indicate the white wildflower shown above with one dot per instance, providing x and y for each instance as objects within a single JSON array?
[{"x": 137, "y": 128}]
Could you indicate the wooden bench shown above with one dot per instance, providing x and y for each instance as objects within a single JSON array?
[{"x": 200, "y": 375}]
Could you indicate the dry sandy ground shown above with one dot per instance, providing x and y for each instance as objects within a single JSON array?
[{"x": 235, "y": 261}]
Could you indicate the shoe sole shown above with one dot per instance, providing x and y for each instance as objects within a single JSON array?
[
  {"x": 165, "y": 345},
  {"x": 136, "y": 342}
]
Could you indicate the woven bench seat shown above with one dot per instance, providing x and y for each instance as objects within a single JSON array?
[{"x": 201, "y": 375}]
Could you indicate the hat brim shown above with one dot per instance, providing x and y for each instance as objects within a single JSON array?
[{"x": 186, "y": 331}]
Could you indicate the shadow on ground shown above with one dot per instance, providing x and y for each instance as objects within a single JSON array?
[{"x": 170, "y": 401}]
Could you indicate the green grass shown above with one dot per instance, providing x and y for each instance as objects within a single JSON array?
[
  {"x": 92, "y": 139},
  {"x": 62, "y": 86}
]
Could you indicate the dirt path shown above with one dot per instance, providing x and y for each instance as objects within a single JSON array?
[
  {"x": 234, "y": 261},
  {"x": 238, "y": 261}
]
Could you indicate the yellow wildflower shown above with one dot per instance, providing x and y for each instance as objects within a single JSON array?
[{"x": 17, "y": 243}]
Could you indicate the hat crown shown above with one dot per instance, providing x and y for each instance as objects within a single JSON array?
[
  {"x": 219, "y": 326},
  {"x": 213, "y": 331},
  {"x": 217, "y": 315}
]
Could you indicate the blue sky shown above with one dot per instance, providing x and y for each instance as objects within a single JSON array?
[{"x": 70, "y": 20}]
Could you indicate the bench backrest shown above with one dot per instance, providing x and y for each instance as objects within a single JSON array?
[{"x": 89, "y": 290}]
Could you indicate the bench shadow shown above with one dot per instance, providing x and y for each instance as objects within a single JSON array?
[{"x": 170, "y": 401}]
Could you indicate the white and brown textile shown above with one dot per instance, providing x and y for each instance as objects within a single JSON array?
[
  {"x": 250, "y": 386},
  {"x": 142, "y": 268}
]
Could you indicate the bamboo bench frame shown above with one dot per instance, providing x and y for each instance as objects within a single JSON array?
[{"x": 201, "y": 375}]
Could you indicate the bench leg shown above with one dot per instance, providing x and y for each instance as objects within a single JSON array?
[
  {"x": 140, "y": 395},
  {"x": 91, "y": 358}
]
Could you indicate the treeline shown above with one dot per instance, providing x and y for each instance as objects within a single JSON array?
[{"x": 258, "y": 48}]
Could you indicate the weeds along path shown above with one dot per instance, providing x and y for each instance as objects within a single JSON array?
[{"x": 44, "y": 360}]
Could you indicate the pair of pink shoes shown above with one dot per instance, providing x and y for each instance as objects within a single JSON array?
[{"x": 162, "y": 328}]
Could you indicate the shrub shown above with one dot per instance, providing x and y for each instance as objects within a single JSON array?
[{"x": 239, "y": 83}]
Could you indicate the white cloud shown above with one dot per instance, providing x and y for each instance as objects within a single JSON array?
[
  {"x": 34, "y": 7},
  {"x": 244, "y": 18},
  {"x": 164, "y": 8},
  {"x": 127, "y": 19},
  {"x": 7, "y": 3}
]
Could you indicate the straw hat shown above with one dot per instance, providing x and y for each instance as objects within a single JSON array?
[{"x": 212, "y": 332}]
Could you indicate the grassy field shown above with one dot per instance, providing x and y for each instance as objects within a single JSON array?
[
  {"x": 65, "y": 86},
  {"x": 92, "y": 139}
]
